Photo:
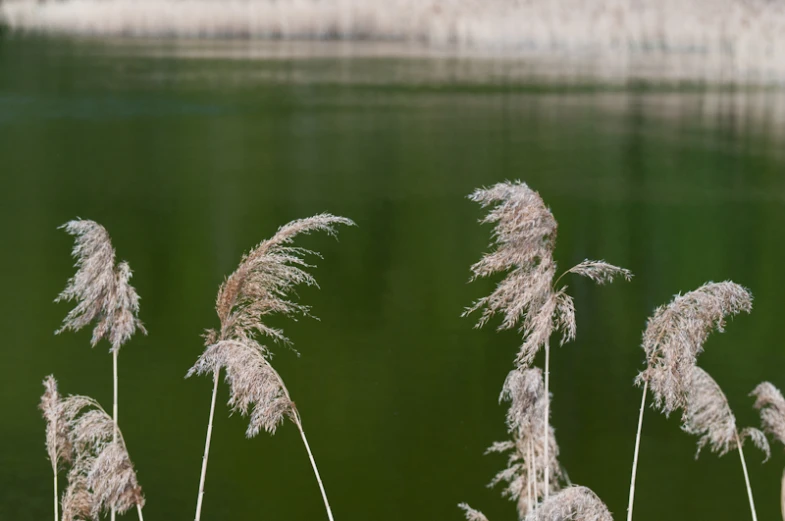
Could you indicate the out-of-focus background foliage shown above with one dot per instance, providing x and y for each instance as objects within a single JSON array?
[{"x": 190, "y": 160}]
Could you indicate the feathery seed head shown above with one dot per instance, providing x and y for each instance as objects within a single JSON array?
[
  {"x": 600, "y": 271},
  {"x": 471, "y": 514},
  {"x": 769, "y": 400},
  {"x": 58, "y": 442},
  {"x": 101, "y": 288},
  {"x": 675, "y": 335},
  {"x": 265, "y": 279},
  {"x": 571, "y": 504},
  {"x": 255, "y": 385},
  {"x": 707, "y": 414},
  {"x": 524, "y": 238},
  {"x": 77, "y": 502},
  {"x": 525, "y": 472},
  {"x": 102, "y": 476}
]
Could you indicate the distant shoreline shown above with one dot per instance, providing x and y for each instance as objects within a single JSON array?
[{"x": 723, "y": 41}]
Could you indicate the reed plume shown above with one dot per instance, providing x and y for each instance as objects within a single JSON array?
[
  {"x": 707, "y": 414},
  {"x": 58, "y": 442},
  {"x": 769, "y": 400},
  {"x": 262, "y": 285},
  {"x": 101, "y": 477},
  {"x": 528, "y": 298},
  {"x": 672, "y": 341},
  {"x": 573, "y": 503},
  {"x": 104, "y": 295},
  {"x": 471, "y": 514},
  {"x": 525, "y": 473}
]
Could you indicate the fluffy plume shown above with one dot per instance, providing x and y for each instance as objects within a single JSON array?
[
  {"x": 102, "y": 289},
  {"x": 102, "y": 476},
  {"x": 707, "y": 414},
  {"x": 524, "y": 476},
  {"x": 524, "y": 238},
  {"x": 600, "y": 271},
  {"x": 260, "y": 286},
  {"x": 58, "y": 442},
  {"x": 254, "y": 384},
  {"x": 571, "y": 504},
  {"x": 471, "y": 514},
  {"x": 769, "y": 400},
  {"x": 265, "y": 279},
  {"x": 675, "y": 335},
  {"x": 77, "y": 499}
]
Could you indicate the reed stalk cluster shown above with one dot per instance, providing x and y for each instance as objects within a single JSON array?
[
  {"x": 82, "y": 438},
  {"x": 86, "y": 443}
]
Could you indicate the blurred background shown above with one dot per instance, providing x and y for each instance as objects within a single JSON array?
[{"x": 192, "y": 151}]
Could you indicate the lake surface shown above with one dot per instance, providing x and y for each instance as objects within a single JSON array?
[{"x": 191, "y": 153}]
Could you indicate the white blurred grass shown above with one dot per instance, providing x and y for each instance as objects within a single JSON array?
[{"x": 713, "y": 40}]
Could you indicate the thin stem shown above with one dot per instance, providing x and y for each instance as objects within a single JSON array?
[
  {"x": 206, "y": 451},
  {"x": 529, "y": 483},
  {"x": 57, "y": 515},
  {"x": 114, "y": 405},
  {"x": 782, "y": 495},
  {"x": 746, "y": 479},
  {"x": 637, "y": 450},
  {"x": 547, "y": 463},
  {"x": 139, "y": 512},
  {"x": 315, "y": 470}
]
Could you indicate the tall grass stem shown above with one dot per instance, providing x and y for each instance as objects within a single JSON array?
[
  {"x": 637, "y": 451},
  {"x": 547, "y": 422},
  {"x": 315, "y": 471},
  {"x": 115, "y": 407},
  {"x": 747, "y": 479},
  {"x": 57, "y": 514},
  {"x": 206, "y": 449}
]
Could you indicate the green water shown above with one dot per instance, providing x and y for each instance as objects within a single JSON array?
[{"x": 189, "y": 160}]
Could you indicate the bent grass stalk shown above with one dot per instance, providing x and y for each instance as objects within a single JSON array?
[
  {"x": 203, "y": 475},
  {"x": 673, "y": 339},
  {"x": 261, "y": 285}
]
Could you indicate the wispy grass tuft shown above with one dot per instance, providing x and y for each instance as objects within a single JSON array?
[{"x": 101, "y": 476}]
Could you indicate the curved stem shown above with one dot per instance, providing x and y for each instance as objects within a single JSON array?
[
  {"x": 115, "y": 407},
  {"x": 315, "y": 470},
  {"x": 637, "y": 451},
  {"x": 746, "y": 479},
  {"x": 206, "y": 451},
  {"x": 547, "y": 462}
]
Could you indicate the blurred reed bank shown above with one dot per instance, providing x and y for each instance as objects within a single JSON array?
[{"x": 711, "y": 40}]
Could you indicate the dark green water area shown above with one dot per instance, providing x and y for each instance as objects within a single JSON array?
[{"x": 190, "y": 158}]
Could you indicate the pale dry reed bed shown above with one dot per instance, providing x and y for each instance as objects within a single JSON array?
[
  {"x": 734, "y": 39},
  {"x": 531, "y": 297}
]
